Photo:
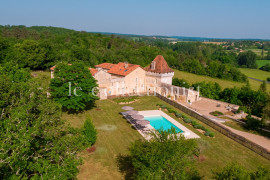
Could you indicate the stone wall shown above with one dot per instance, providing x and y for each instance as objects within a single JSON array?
[{"x": 240, "y": 139}]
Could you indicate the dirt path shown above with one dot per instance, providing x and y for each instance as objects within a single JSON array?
[{"x": 260, "y": 140}]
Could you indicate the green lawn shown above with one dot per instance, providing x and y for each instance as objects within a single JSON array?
[
  {"x": 261, "y": 63},
  {"x": 255, "y": 73},
  {"x": 115, "y": 136},
  {"x": 193, "y": 78},
  {"x": 258, "y": 51}
]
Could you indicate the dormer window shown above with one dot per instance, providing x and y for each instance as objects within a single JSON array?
[{"x": 153, "y": 65}]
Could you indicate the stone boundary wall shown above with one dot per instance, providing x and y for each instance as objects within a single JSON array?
[{"x": 240, "y": 139}]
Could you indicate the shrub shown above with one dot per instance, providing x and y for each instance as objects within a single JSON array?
[
  {"x": 194, "y": 123},
  {"x": 163, "y": 106},
  {"x": 268, "y": 79},
  {"x": 198, "y": 126},
  {"x": 207, "y": 133},
  {"x": 170, "y": 110},
  {"x": 187, "y": 120},
  {"x": 89, "y": 131},
  {"x": 211, "y": 134},
  {"x": 204, "y": 128},
  {"x": 178, "y": 115},
  {"x": 159, "y": 104},
  {"x": 184, "y": 116}
]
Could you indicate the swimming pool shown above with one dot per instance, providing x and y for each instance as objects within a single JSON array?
[{"x": 161, "y": 123}]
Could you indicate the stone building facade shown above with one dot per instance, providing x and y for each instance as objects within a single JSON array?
[{"x": 124, "y": 79}]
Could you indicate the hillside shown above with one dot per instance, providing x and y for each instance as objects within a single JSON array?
[
  {"x": 256, "y": 73},
  {"x": 193, "y": 78}
]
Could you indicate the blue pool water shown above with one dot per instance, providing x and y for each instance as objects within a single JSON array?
[{"x": 161, "y": 123}]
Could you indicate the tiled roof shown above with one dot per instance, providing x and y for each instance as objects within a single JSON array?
[
  {"x": 161, "y": 65},
  {"x": 93, "y": 71},
  {"x": 105, "y": 65},
  {"x": 120, "y": 69},
  {"x": 52, "y": 68}
]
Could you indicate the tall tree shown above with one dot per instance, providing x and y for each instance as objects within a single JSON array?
[
  {"x": 72, "y": 86},
  {"x": 247, "y": 59},
  {"x": 262, "y": 53},
  {"x": 29, "y": 53},
  {"x": 263, "y": 87}
]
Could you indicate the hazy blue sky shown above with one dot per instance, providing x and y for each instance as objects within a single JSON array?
[{"x": 203, "y": 18}]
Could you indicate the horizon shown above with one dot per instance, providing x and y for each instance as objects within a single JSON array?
[
  {"x": 153, "y": 35},
  {"x": 208, "y": 19}
]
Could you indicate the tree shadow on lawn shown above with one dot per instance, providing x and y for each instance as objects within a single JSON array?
[
  {"x": 125, "y": 166},
  {"x": 89, "y": 106}
]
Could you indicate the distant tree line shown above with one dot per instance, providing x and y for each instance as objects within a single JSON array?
[{"x": 42, "y": 47}]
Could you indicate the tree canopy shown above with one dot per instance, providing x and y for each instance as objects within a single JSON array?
[
  {"x": 72, "y": 86},
  {"x": 166, "y": 156},
  {"x": 34, "y": 142},
  {"x": 247, "y": 59}
]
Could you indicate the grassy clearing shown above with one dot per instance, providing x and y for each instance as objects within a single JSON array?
[
  {"x": 115, "y": 136},
  {"x": 257, "y": 51},
  {"x": 261, "y": 63},
  {"x": 255, "y": 73},
  {"x": 193, "y": 78}
]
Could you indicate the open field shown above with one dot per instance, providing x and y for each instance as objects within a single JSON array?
[
  {"x": 193, "y": 78},
  {"x": 255, "y": 73},
  {"x": 261, "y": 63},
  {"x": 257, "y": 51},
  {"x": 115, "y": 136}
]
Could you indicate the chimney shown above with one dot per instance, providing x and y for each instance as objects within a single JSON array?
[
  {"x": 153, "y": 65},
  {"x": 126, "y": 64}
]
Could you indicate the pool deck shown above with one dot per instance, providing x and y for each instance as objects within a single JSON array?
[{"x": 188, "y": 134}]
